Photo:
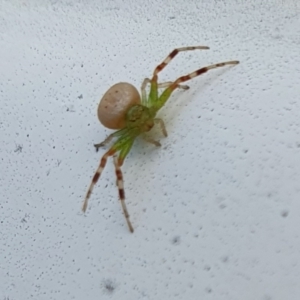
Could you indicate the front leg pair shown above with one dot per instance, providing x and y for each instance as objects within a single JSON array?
[{"x": 159, "y": 85}]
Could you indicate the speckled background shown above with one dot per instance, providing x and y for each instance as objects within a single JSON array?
[{"x": 215, "y": 209}]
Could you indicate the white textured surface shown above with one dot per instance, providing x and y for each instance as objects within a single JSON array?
[{"x": 216, "y": 209}]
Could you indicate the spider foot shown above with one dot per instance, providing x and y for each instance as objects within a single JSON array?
[
  {"x": 152, "y": 141},
  {"x": 102, "y": 144},
  {"x": 156, "y": 143},
  {"x": 97, "y": 146}
]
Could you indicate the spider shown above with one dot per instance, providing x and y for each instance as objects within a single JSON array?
[{"x": 124, "y": 109}]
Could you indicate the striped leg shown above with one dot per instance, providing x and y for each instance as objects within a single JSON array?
[
  {"x": 200, "y": 72},
  {"x": 120, "y": 184},
  {"x": 161, "y": 66},
  {"x": 153, "y": 95},
  {"x": 167, "y": 92},
  {"x": 96, "y": 177}
]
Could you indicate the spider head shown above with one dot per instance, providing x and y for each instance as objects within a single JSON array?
[{"x": 139, "y": 116}]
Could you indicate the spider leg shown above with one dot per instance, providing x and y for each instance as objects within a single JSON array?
[
  {"x": 97, "y": 176},
  {"x": 120, "y": 184},
  {"x": 106, "y": 141},
  {"x": 162, "y": 126},
  {"x": 110, "y": 137},
  {"x": 168, "y": 83},
  {"x": 159, "y": 85},
  {"x": 168, "y": 91},
  {"x": 153, "y": 95},
  {"x": 162, "y": 65},
  {"x": 161, "y": 123},
  {"x": 151, "y": 141}
]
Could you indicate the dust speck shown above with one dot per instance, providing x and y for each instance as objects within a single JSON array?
[
  {"x": 109, "y": 286},
  {"x": 176, "y": 240}
]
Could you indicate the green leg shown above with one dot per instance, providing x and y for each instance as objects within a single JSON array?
[
  {"x": 124, "y": 151},
  {"x": 153, "y": 95},
  {"x": 163, "y": 98},
  {"x": 110, "y": 137},
  {"x": 124, "y": 144}
]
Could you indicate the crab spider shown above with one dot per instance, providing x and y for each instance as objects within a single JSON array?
[{"x": 124, "y": 109}]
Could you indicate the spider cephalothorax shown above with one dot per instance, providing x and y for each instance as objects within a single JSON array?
[
  {"x": 124, "y": 109},
  {"x": 139, "y": 116}
]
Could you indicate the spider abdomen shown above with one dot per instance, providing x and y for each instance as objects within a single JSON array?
[{"x": 115, "y": 103}]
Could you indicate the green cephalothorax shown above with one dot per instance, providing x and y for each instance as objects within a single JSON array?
[
  {"x": 139, "y": 116},
  {"x": 123, "y": 108}
]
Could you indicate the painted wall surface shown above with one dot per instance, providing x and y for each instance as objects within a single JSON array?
[{"x": 215, "y": 209}]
